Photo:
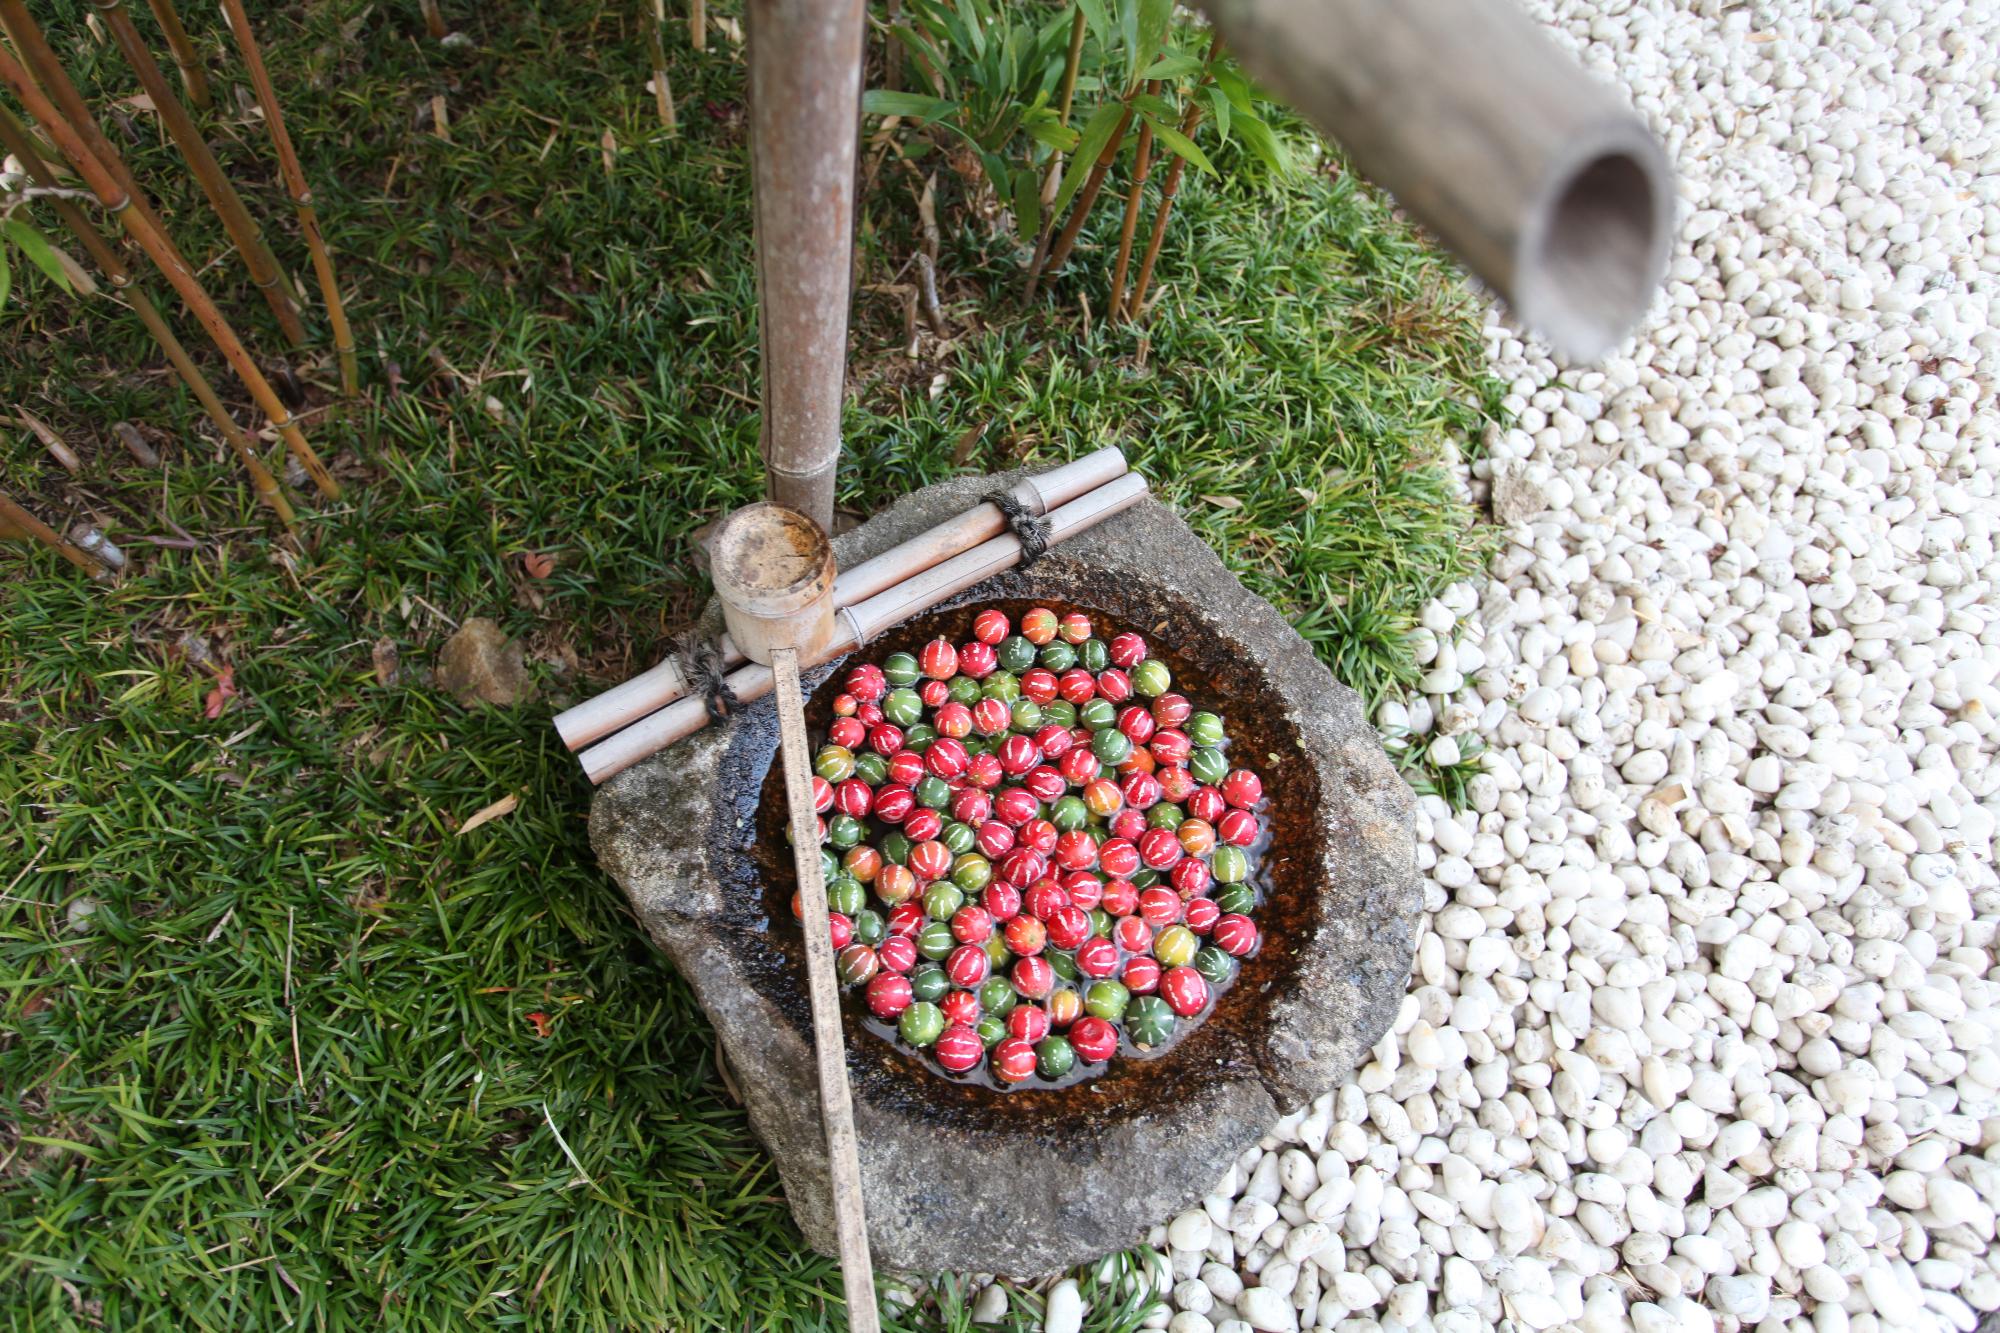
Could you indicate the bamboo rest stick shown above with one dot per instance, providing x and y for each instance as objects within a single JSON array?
[
  {"x": 139, "y": 223},
  {"x": 857, "y": 1270},
  {"x": 14, "y": 138},
  {"x": 661, "y": 685},
  {"x": 684, "y": 717}
]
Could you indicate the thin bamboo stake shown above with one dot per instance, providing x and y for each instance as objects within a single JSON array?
[
  {"x": 33, "y": 51},
  {"x": 860, "y": 623},
  {"x": 1142, "y": 165},
  {"x": 186, "y": 59},
  {"x": 302, "y": 199},
  {"x": 857, "y": 1268},
  {"x": 698, "y": 24},
  {"x": 1080, "y": 207},
  {"x": 663, "y": 93},
  {"x": 20, "y": 518},
  {"x": 1135, "y": 304},
  {"x": 222, "y": 196},
  {"x": 1052, "y": 182},
  {"x": 138, "y": 223},
  {"x": 14, "y": 136},
  {"x": 433, "y": 19}
]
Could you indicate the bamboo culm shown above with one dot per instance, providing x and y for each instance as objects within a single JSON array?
[
  {"x": 222, "y": 196},
  {"x": 1080, "y": 207},
  {"x": 1142, "y": 165},
  {"x": 1052, "y": 182},
  {"x": 19, "y": 518},
  {"x": 302, "y": 199},
  {"x": 139, "y": 224},
  {"x": 186, "y": 59},
  {"x": 1135, "y": 304},
  {"x": 15, "y": 138}
]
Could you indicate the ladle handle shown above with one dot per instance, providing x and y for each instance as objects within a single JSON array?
[{"x": 857, "y": 1270}]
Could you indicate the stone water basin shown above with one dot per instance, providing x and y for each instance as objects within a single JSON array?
[{"x": 1026, "y": 1181}]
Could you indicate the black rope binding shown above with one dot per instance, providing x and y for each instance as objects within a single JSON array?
[
  {"x": 701, "y": 667},
  {"x": 1032, "y": 530}
]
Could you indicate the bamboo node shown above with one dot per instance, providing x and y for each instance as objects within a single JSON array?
[{"x": 854, "y": 626}]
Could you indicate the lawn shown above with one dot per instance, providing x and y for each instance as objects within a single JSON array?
[{"x": 280, "y": 1044}]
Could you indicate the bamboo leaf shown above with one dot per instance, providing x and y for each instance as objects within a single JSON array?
[
  {"x": 37, "y": 250},
  {"x": 1154, "y": 18},
  {"x": 1051, "y": 133},
  {"x": 1257, "y": 135},
  {"x": 1096, "y": 19},
  {"x": 1219, "y": 107},
  {"x": 1173, "y": 65},
  {"x": 1237, "y": 88},
  {"x": 914, "y": 106},
  {"x": 1027, "y": 205},
  {"x": 1180, "y": 145},
  {"x": 1153, "y": 107},
  {"x": 1090, "y": 143}
]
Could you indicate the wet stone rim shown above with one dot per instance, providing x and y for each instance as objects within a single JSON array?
[{"x": 973, "y": 1178}]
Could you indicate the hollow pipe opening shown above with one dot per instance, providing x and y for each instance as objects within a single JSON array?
[{"x": 1596, "y": 250}]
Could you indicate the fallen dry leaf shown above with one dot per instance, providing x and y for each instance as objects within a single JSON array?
[
  {"x": 541, "y": 1023},
  {"x": 388, "y": 661},
  {"x": 539, "y": 564},
  {"x": 219, "y": 697},
  {"x": 504, "y": 806},
  {"x": 1224, "y": 501}
]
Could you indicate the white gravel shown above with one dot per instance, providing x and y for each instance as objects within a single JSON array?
[{"x": 1703, "y": 1030}]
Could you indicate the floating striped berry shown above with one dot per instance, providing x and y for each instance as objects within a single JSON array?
[
  {"x": 1242, "y": 788},
  {"x": 1185, "y": 990},
  {"x": 1235, "y": 935},
  {"x": 1093, "y": 1038},
  {"x": 889, "y": 995},
  {"x": 959, "y": 1048},
  {"x": 990, "y": 627}
]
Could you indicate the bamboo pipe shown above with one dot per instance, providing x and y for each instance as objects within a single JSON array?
[
  {"x": 186, "y": 59},
  {"x": 222, "y": 196},
  {"x": 651, "y": 690},
  {"x": 13, "y": 515},
  {"x": 14, "y": 136},
  {"x": 138, "y": 223},
  {"x": 805, "y": 128},
  {"x": 302, "y": 199},
  {"x": 862, "y": 622},
  {"x": 1548, "y": 188}
]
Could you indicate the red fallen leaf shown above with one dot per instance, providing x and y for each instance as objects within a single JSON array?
[
  {"x": 541, "y": 1022},
  {"x": 219, "y": 697},
  {"x": 538, "y": 564}
]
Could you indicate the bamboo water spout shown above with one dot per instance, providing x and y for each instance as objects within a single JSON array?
[{"x": 1549, "y": 188}]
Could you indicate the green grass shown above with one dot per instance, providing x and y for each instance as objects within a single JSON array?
[{"x": 574, "y": 354}]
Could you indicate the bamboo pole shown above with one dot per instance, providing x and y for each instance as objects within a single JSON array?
[
  {"x": 33, "y": 51},
  {"x": 805, "y": 121},
  {"x": 302, "y": 199},
  {"x": 222, "y": 196},
  {"x": 186, "y": 59},
  {"x": 651, "y": 690},
  {"x": 1079, "y": 208},
  {"x": 15, "y": 516},
  {"x": 1142, "y": 165},
  {"x": 860, "y": 623},
  {"x": 15, "y": 138},
  {"x": 140, "y": 226},
  {"x": 1052, "y": 182},
  {"x": 1135, "y": 304}
]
